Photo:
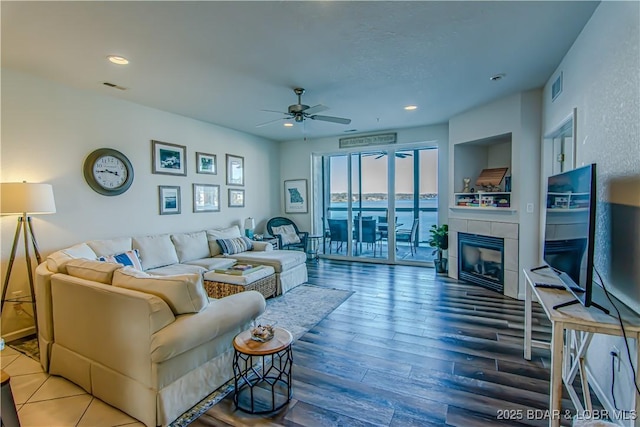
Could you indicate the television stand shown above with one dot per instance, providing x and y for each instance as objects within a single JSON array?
[
  {"x": 569, "y": 350},
  {"x": 575, "y": 301}
]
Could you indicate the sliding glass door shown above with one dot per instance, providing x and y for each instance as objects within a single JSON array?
[{"x": 358, "y": 217}]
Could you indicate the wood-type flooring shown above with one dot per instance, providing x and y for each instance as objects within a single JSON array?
[{"x": 410, "y": 348}]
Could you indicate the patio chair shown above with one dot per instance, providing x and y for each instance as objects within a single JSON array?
[
  {"x": 289, "y": 237},
  {"x": 370, "y": 234},
  {"x": 405, "y": 235},
  {"x": 338, "y": 233}
]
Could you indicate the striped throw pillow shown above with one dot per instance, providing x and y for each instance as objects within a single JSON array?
[
  {"x": 130, "y": 258},
  {"x": 235, "y": 245}
]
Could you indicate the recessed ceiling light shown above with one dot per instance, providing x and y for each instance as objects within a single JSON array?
[
  {"x": 120, "y": 60},
  {"x": 288, "y": 125},
  {"x": 411, "y": 107},
  {"x": 497, "y": 77}
]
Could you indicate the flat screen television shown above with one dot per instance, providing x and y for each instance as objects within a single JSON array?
[{"x": 570, "y": 230}]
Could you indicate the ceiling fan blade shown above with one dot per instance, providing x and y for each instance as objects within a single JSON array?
[
  {"x": 274, "y": 111},
  {"x": 272, "y": 122},
  {"x": 331, "y": 119},
  {"x": 316, "y": 109}
]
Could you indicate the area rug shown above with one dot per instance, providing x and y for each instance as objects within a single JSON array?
[
  {"x": 27, "y": 346},
  {"x": 298, "y": 311}
]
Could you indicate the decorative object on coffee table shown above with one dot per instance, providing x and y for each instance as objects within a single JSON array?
[{"x": 261, "y": 391}]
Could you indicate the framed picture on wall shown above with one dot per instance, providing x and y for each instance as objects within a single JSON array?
[
  {"x": 169, "y": 197},
  {"x": 168, "y": 159},
  {"x": 236, "y": 198},
  {"x": 235, "y": 170},
  {"x": 295, "y": 196},
  {"x": 206, "y": 198},
  {"x": 206, "y": 163}
]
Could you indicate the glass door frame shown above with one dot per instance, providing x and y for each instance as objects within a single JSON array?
[{"x": 319, "y": 174}]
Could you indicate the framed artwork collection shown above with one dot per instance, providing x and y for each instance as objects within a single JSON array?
[
  {"x": 169, "y": 196},
  {"x": 206, "y": 198},
  {"x": 295, "y": 196},
  {"x": 235, "y": 170},
  {"x": 168, "y": 159}
]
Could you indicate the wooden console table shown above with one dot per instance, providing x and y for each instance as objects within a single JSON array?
[{"x": 579, "y": 323}]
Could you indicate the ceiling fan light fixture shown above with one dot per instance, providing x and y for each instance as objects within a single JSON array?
[
  {"x": 411, "y": 107},
  {"x": 288, "y": 125},
  {"x": 118, "y": 60}
]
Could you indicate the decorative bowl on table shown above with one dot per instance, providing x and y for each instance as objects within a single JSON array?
[{"x": 262, "y": 333}]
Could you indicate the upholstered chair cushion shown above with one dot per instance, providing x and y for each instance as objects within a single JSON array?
[
  {"x": 183, "y": 293},
  {"x": 287, "y": 234}
]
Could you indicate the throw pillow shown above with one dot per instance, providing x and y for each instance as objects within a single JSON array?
[
  {"x": 221, "y": 233},
  {"x": 235, "y": 245},
  {"x": 183, "y": 293},
  {"x": 287, "y": 234},
  {"x": 96, "y": 271},
  {"x": 156, "y": 250},
  {"x": 131, "y": 258},
  {"x": 191, "y": 246},
  {"x": 56, "y": 262}
]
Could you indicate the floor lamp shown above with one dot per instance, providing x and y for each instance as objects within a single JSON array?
[{"x": 24, "y": 199}]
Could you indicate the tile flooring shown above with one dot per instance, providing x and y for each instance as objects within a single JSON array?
[{"x": 47, "y": 400}]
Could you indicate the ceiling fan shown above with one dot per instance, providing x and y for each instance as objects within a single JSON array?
[
  {"x": 380, "y": 154},
  {"x": 300, "y": 112}
]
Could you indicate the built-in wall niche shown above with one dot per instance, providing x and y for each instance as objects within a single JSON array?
[{"x": 471, "y": 157}]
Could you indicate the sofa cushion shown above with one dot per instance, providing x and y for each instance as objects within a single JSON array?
[
  {"x": 216, "y": 263},
  {"x": 173, "y": 269},
  {"x": 184, "y": 293},
  {"x": 235, "y": 245},
  {"x": 221, "y": 233},
  {"x": 97, "y": 271},
  {"x": 156, "y": 250},
  {"x": 56, "y": 262},
  {"x": 287, "y": 234},
  {"x": 130, "y": 258},
  {"x": 190, "y": 246},
  {"x": 110, "y": 246},
  {"x": 279, "y": 260}
]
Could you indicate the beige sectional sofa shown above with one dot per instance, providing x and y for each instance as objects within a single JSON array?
[{"x": 151, "y": 342}]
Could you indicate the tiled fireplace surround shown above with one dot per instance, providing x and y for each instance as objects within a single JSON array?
[{"x": 506, "y": 230}]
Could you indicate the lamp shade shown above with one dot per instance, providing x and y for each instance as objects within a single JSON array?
[
  {"x": 23, "y": 197},
  {"x": 249, "y": 224}
]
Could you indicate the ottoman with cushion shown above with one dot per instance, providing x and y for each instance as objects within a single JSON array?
[
  {"x": 290, "y": 266},
  {"x": 220, "y": 285}
]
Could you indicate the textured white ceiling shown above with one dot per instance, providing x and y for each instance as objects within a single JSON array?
[{"x": 224, "y": 62}]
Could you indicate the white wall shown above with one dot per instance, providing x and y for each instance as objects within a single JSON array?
[
  {"x": 295, "y": 162},
  {"x": 602, "y": 80},
  {"x": 49, "y": 129},
  {"x": 518, "y": 115}
]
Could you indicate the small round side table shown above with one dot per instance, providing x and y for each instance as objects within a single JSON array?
[{"x": 260, "y": 391}]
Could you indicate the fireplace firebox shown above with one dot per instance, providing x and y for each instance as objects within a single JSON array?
[{"x": 481, "y": 260}]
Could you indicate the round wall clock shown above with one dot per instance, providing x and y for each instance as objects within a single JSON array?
[{"x": 108, "y": 172}]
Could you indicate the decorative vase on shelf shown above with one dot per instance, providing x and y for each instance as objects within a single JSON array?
[{"x": 466, "y": 182}]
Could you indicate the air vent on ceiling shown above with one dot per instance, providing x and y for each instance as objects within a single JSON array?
[{"x": 115, "y": 86}]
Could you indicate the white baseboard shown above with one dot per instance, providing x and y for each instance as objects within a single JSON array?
[{"x": 12, "y": 336}]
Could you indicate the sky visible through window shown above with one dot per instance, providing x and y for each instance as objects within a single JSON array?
[{"x": 374, "y": 172}]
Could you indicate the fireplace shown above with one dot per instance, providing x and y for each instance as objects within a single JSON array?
[{"x": 481, "y": 260}]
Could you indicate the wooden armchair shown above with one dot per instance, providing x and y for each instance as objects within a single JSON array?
[{"x": 294, "y": 239}]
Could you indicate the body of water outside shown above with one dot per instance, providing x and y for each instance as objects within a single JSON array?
[{"x": 338, "y": 210}]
